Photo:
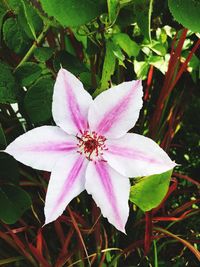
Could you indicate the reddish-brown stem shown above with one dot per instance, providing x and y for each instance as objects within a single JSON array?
[
  {"x": 148, "y": 232},
  {"x": 149, "y": 81}
]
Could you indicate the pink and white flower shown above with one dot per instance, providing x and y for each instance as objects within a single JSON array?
[{"x": 90, "y": 148}]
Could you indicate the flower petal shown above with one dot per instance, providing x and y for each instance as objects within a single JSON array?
[
  {"x": 41, "y": 147},
  {"x": 110, "y": 190},
  {"x": 66, "y": 182},
  {"x": 70, "y": 103},
  {"x": 134, "y": 155},
  {"x": 116, "y": 110}
]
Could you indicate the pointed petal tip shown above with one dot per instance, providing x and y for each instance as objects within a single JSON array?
[
  {"x": 10, "y": 150},
  {"x": 110, "y": 193},
  {"x": 50, "y": 219},
  {"x": 61, "y": 70},
  {"x": 43, "y": 225},
  {"x": 70, "y": 102},
  {"x": 120, "y": 228},
  {"x": 47, "y": 221},
  {"x": 171, "y": 165},
  {"x": 139, "y": 82},
  {"x": 123, "y": 230},
  {"x": 120, "y": 107}
]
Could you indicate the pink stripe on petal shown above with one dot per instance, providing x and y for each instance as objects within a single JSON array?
[
  {"x": 70, "y": 180},
  {"x": 110, "y": 191},
  {"x": 66, "y": 182},
  {"x": 76, "y": 116},
  {"x": 116, "y": 113},
  {"x": 41, "y": 147},
  {"x": 52, "y": 147},
  {"x": 133, "y": 154},
  {"x": 70, "y": 103},
  {"x": 107, "y": 184}
]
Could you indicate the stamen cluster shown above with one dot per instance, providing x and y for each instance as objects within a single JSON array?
[{"x": 91, "y": 145}]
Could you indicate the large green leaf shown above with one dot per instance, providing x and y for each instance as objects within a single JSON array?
[
  {"x": 29, "y": 19},
  {"x": 7, "y": 84},
  {"x": 72, "y": 12},
  {"x": 143, "y": 11},
  {"x": 187, "y": 13},
  {"x": 14, "y": 36},
  {"x": 149, "y": 192},
  {"x": 113, "y": 10},
  {"x": 27, "y": 16},
  {"x": 38, "y": 100},
  {"x": 13, "y": 203}
]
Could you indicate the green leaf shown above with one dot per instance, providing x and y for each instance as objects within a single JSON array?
[
  {"x": 118, "y": 53},
  {"x": 186, "y": 12},
  {"x": 14, "y": 202},
  {"x": 72, "y": 12},
  {"x": 130, "y": 47},
  {"x": 8, "y": 169},
  {"x": 42, "y": 54},
  {"x": 141, "y": 69},
  {"x": 160, "y": 63},
  {"x": 7, "y": 84},
  {"x": 2, "y": 139},
  {"x": 14, "y": 5},
  {"x": 3, "y": 11},
  {"x": 29, "y": 19},
  {"x": 14, "y": 36},
  {"x": 158, "y": 48},
  {"x": 108, "y": 68},
  {"x": 38, "y": 100},
  {"x": 143, "y": 11},
  {"x": 113, "y": 10},
  {"x": 149, "y": 191},
  {"x": 28, "y": 73}
]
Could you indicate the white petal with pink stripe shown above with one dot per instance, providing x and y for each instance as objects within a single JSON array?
[
  {"x": 70, "y": 103},
  {"x": 115, "y": 111},
  {"x": 110, "y": 191},
  {"x": 41, "y": 147},
  {"x": 134, "y": 155},
  {"x": 66, "y": 182}
]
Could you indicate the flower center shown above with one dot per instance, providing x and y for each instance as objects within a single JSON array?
[{"x": 91, "y": 145}]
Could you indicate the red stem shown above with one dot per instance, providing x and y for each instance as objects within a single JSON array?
[
  {"x": 149, "y": 81},
  {"x": 148, "y": 232}
]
